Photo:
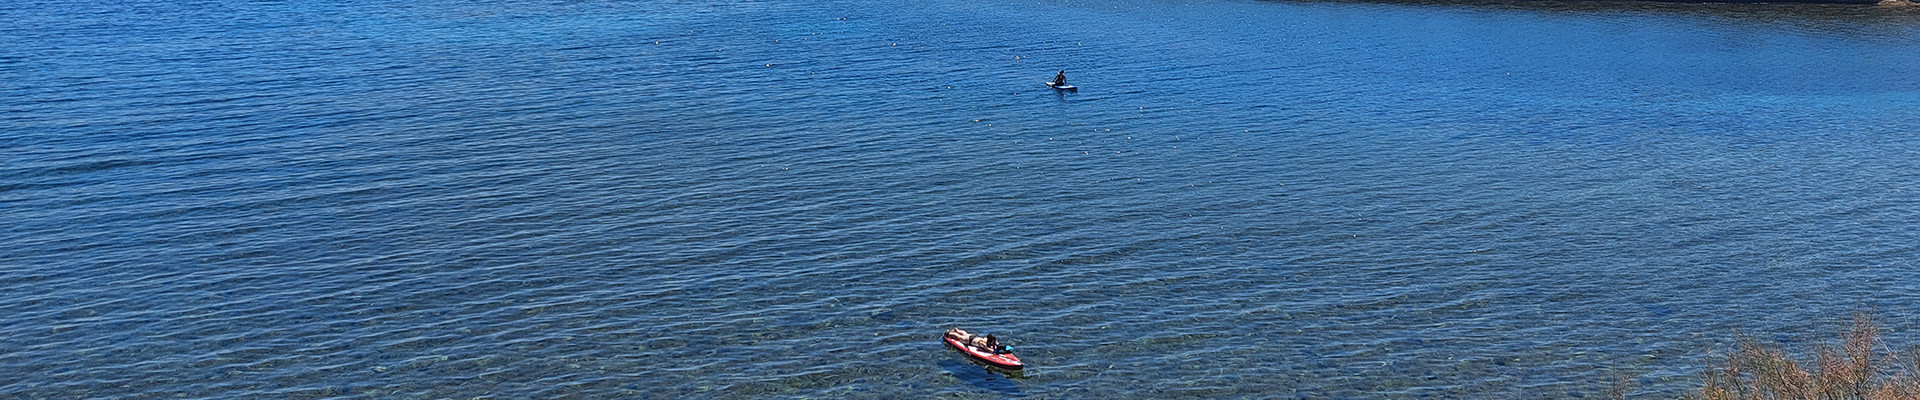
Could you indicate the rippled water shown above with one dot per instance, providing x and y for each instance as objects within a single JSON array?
[{"x": 704, "y": 199}]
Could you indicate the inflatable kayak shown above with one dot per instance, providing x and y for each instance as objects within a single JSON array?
[
  {"x": 1000, "y": 360},
  {"x": 1069, "y": 88}
]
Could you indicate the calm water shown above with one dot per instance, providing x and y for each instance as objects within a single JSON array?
[{"x": 792, "y": 198}]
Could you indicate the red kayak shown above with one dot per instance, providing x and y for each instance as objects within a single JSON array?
[{"x": 1007, "y": 360}]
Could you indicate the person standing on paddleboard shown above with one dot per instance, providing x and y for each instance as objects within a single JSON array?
[{"x": 1060, "y": 79}]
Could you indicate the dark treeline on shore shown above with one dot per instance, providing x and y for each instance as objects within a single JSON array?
[
  {"x": 1867, "y": 18},
  {"x": 1603, "y": 5}
]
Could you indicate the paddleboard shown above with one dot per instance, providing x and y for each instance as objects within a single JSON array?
[{"x": 1007, "y": 360}]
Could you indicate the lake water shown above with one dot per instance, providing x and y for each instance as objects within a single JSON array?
[{"x": 793, "y": 198}]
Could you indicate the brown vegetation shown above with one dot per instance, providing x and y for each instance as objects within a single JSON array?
[{"x": 1852, "y": 370}]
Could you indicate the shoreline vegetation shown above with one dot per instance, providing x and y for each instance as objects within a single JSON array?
[
  {"x": 1859, "y": 367},
  {"x": 1629, "y": 3}
]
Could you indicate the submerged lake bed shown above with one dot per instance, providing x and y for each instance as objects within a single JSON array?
[{"x": 703, "y": 199}]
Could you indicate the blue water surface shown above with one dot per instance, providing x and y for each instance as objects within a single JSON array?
[{"x": 792, "y": 198}]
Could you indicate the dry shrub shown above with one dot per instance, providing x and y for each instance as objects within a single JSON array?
[
  {"x": 1849, "y": 371},
  {"x": 1622, "y": 385}
]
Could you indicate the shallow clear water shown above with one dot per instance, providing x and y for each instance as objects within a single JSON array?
[{"x": 696, "y": 199}]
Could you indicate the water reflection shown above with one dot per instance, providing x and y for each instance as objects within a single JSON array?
[{"x": 983, "y": 376}]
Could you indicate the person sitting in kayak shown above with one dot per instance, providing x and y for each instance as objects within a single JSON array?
[
  {"x": 988, "y": 342},
  {"x": 1060, "y": 79}
]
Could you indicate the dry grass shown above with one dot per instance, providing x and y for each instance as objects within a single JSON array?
[{"x": 1851, "y": 370}]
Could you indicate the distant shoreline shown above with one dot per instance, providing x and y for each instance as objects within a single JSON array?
[{"x": 1880, "y": 3}]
